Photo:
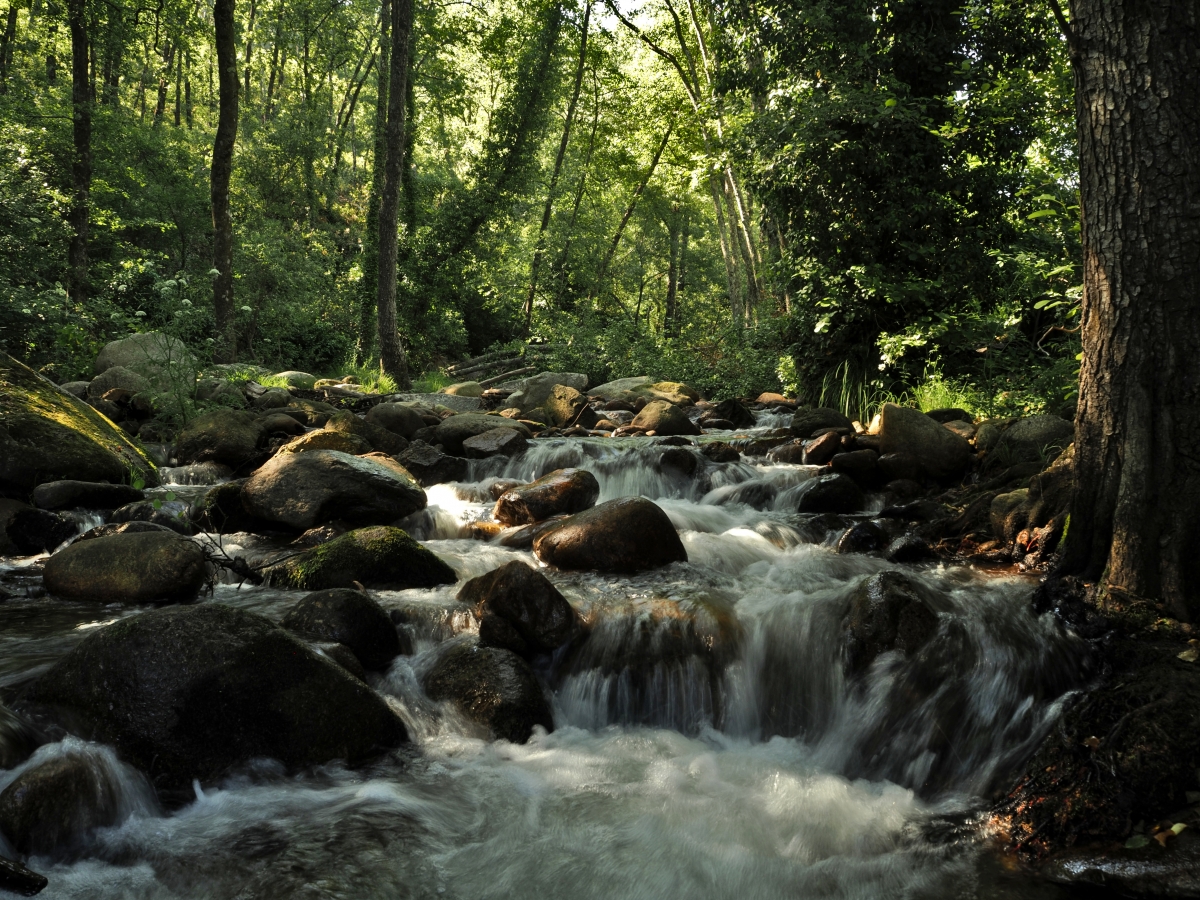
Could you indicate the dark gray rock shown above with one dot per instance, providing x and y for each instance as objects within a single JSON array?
[
  {"x": 167, "y": 513},
  {"x": 733, "y": 412},
  {"x": 834, "y": 493},
  {"x": 497, "y": 442},
  {"x": 348, "y": 617},
  {"x": 396, "y": 418},
  {"x": 56, "y": 495},
  {"x": 520, "y": 610},
  {"x": 233, "y": 437},
  {"x": 19, "y": 879},
  {"x": 430, "y": 465},
  {"x": 887, "y": 612},
  {"x": 863, "y": 537},
  {"x": 51, "y": 807},
  {"x": 18, "y": 738},
  {"x": 150, "y": 567},
  {"x": 38, "y": 531},
  {"x": 377, "y": 557},
  {"x": 806, "y": 421}
]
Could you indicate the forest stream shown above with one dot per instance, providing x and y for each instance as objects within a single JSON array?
[{"x": 708, "y": 741}]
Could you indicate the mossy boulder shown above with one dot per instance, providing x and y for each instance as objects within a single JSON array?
[
  {"x": 47, "y": 434},
  {"x": 118, "y": 377},
  {"x": 128, "y": 568},
  {"x": 228, "y": 436},
  {"x": 378, "y": 557},
  {"x": 301, "y": 381},
  {"x": 328, "y": 440},
  {"x": 643, "y": 387},
  {"x": 186, "y": 692},
  {"x": 397, "y": 418}
]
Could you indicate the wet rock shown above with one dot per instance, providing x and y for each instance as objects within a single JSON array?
[
  {"x": 343, "y": 656},
  {"x": 807, "y": 421},
  {"x": 186, "y": 692},
  {"x": 169, "y": 514},
  {"x": 561, "y": 491},
  {"x": 378, "y": 557},
  {"x": 520, "y": 610},
  {"x": 18, "y": 738},
  {"x": 233, "y": 437},
  {"x": 56, "y": 495},
  {"x": 456, "y": 429},
  {"x": 280, "y": 423},
  {"x": 834, "y": 493},
  {"x": 523, "y": 538},
  {"x": 861, "y": 465},
  {"x": 220, "y": 510},
  {"x": 38, "y": 531},
  {"x": 117, "y": 377},
  {"x": 348, "y": 617},
  {"x": 52, "y": 806},
  {"x": 128, "y": 568},
  {"x": 379, "y": 438},
  {"x": 1036, "y": 439},
  {"x": 909, "y": 548},
  {"x": 492, "y": 687},
  {"x": 754, "y": 493},
  {"x": 680, "y": 461},
  {"x": 8, "y": 509},
  {"x": 665, "y": 419},
  {"x": 732, "y": 411},
  {"x": 942, "y": 453},
  {"x": 887, "y": 612},
  {"x": 300, "y": 490},
  {"x": 19, "y": 879},
  {"x": 821, "y": 450},
  {"x": 124, "y": 528},
  {"x": 863, "y": 537},
  {"x": 162, "y": 359},
  {"x": 923, "y": 510},
  {"x": 502, "y": 486},
  {"x": 431, "y": 466},
  {"x": 497, "y": 442},
  {"x": 901, "y": 490},
  {"x": 720, "y": 452},
  {"x": 627, "y": 535},
  {"x": 328, "y": 440},
  {"x": 791, "y": 453},
  {"x": 950, "y": 414},
  {"x": 48, "y": 435},
  {"x": 1149, "y": 872}
]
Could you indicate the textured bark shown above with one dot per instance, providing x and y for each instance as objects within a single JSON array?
[
  {"x": 222, "y": 169},
  {"x": 392, "y": 360},
  {"x": 6, "y": 44},
  {"x": 365, "y": 344},
  {"x": 81, "y": 161},
  {"x": 1136, "y": 504}
]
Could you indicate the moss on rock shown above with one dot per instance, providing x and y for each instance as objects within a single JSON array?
[
  {"x": 380, "y": 556},
  {"x": 47, "y": 434}
]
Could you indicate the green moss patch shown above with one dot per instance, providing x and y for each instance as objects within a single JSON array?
[{"x": 380, "y": 557}]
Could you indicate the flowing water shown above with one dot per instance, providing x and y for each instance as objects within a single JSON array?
[{"x": 707, "y": 745}]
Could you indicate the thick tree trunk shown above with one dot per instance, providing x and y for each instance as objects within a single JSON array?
[
  {"x": 540, "y": 247},
  {"x": 365, "y": 345},
  {"x": 392, "y": 360},
  {"x": 81, "y": 162},
  {"x": 222, "y": 169},
  {"x": 1136, "y": 507}
]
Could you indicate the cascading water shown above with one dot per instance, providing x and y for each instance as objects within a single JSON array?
[{"x": 709, "y": 739}]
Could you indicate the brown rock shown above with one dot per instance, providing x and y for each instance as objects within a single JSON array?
[
  {"x": 520, "y": 610},
  {"x": 626, "y": 535},
  {"x": 561, "y": 491}
]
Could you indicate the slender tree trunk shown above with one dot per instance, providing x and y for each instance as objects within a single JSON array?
[
  {"x": 674, "y": 237},
  {"x": 81, "y": 162},
  {"x": 164, "y": 78},
  {"x": 1135, "y": 517},
  {"x": 560, "y": 265},
  {"x": 6, "y": 45},
  {"x": 187, "y": 91},
  {"x": 540, "y": 246},
  {"x": 681, "y": 287},
  {"x": 731, "y": 279},
  {"x": 364, "y": 346},
  {"x": 51, "y": 58},
  {"x": 178, "y": 89},
  {"x": 249, "y": 49},
  {"x": 392, "y": 360},
  {"x": 222, "y": 170},
  {"x": 278, "y": 61}
]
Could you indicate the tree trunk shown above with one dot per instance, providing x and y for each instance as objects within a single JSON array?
[
  {"x": 81, "y": 162},
  {"x": 674, "y": 235},
  {"x": 364, "y": 346},
  {"x": 178, "y": 89},
  {"x": 249, "y": 49},
  {"x": 222, "y": 169},
  {"x": 392, "y": 360},
  {"x": 1134, "y": 519},
  {"x": 6, "y": 45},
  {"x": 540, "y": 247}
]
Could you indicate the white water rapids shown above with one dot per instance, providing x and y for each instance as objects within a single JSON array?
[{"x": 707, "y": 745}]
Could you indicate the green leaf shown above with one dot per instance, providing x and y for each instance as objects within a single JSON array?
[
  {"x": 891, "y": 102},
  {"x": 1042, "y": 213}
]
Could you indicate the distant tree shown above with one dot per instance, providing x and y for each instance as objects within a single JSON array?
[{"x": 222, "y": 169}]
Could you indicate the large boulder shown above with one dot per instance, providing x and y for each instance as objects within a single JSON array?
[
  {"x": 627, "y": 535},
  {"x": 536, "y": 389},
  {"x": 734, "y": 412},
  {"x": 490, "y": 686},
  {"x": 116, "y": 378},
  {"x": 520, "y": 610},
  {"x": 431, "y": 466},
  {"x": 379, "y": 557},
  {"x": 378, "y": 437},
  {"x": 456, "y": 429},
  {"x": 301, "y": 381},
  {"x": 563, "y": 407},
  {"x": 352, "y": 618},
  {"x": 47, "y": 435},
  {"x": 836, "y": 493},
  {"x": 806, "y": 421},
  {"x": 561, "y": 491},
  {"x": 52, "y": 806},
  {"x": 942, "y": 453},
  {"x": 664, "y": 418},
  {"x": 128, "y": 568},
  {"x": 646, "y": 388},
  {"x": 888, "y": 611},
  {"x": 497, "y": 442},
  {"x": 301, "y": 490},
  {"x": 164, "y": 360},
  {"x": 56, "y": 495},
  {"x": 185, "y": 693},
  {"x": 397, "y": 418},
  {"x": 229, "y": 436},
  {"x": 328, "y": 440},
  {"x": 1036, "y": 439}
]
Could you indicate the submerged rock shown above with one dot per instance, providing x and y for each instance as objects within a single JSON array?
[
  {"x": 55, "y": 804},
  {"x": 380, "y": 557},
  {"x": 128, "y": 568},
  {"x": 347, "y": 617},
  {"x": 888, "y": 611},
  {"x": 626, "y": 535},
  {"x": 47, "y": 434},
  {"x": 520, "y": 610},
  {"x": 18, "y": 739},
  {"x": 490, "y": 686},
  {"x": 187, "y": 692},
  {"x": 561, "y": 491},
  {"x": 301, "y": 490}
]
